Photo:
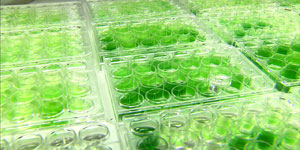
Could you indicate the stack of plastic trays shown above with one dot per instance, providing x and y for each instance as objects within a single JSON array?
[
  {"x": 265, "y": 35},
  {"x": 42, "y": 33},
  {"x": 47, "y": 74},
  {"x": 261, "y": 122},
  {"x": 46, "y": 95},
  {"x": 150, "y": 36},
  {"x": 200, "y": 6},
  {"x": 124, "y": 10},
  {"x": 85, "y": 135},
  {"x": 163, "y": 80}
]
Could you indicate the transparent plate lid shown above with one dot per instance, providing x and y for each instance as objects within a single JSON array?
[
  {"x": 255, "y": 122},
  {"x": 105, "y": 11},
  {"x": 270, "y": 43},
  {"x": 162, "y": 80},
  {"x": 84, "y": 134},
  {"x": 149, "y": 36},
  {"x": 47, "y": 95}
]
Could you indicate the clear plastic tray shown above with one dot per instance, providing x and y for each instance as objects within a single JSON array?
[
  {"x": 162, "y": 80},
  {"x": 268, "y": 121},
  {"x": 149, "y": 36},
  {"x": 245, "y": 23},
  {"x": 279, "y": 56},
  {"x": 41, "y": 46},
  {"x": 20, "y": 17},
  {"x": 48, "y": 94},
  {"x": 84, "y": 135},
  {"x": 265, "y": 35},
  {"x": 118, "y": 10}
]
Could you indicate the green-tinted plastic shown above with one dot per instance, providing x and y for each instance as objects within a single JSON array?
[
  {"x": 186, "y": 78},
  {"x": 148, "y": 36},
  {"x": 132, "y": 9},
  {"x": 255, "y": 122},
  {"x": 42, "y": 93}
]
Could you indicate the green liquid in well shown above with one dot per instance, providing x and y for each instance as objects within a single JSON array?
[
  {"x": 225, "y": 122},
  {"x": 78, "y": 90},
  {"x": 246, "y": 26},
  {"x": 144, "y": 69},
  {"x": 266, "y": 136},
  {"x": 261, "y": 24},
  {"x": 148, "y": 35},
  {"x": 158, "y": 96},
  {"x": 294, "y": 59},
  {"x": 149, "y": 42},
  {"x": 149, "y": 143},
  {"x": 186, "y": 38},
  {"x": 182, "y": 79},
  {"x": 290, "y": 139},
  {"x": 107, "y": 38},
  {"x": 235, "y": 86},
  {"x": 52, "y": 124},
  {"x": 131, "y": 100},
  {"x": 144, "y": 130},
  {"x": 201, "y": 120},
  {"x": 52, "y": 77},
  {"x": 220, "y": 133},
  {"x": 165, "y": 67},
  {"x": 296, "y": 45},
  {"x": 122, "y": 72},
  {"x": 238, "y": 142},
  {"x": 23, "y": 97},
  {"x": 214, "y": 61},
  {"x": 26, "y": 82},
  {"x": 184, "y": 93},
  {"x": 176, "y": 124},
  {"x": 264, "y": 146},
  {"x": 282, "y": 49},
  {"x": 51, "y": 110},
  {"x": 293, "y": 67},
  {"x": 198, "y": 77},
  {"x": 174, "y": 80},
  {"x": 290, "y": 74},
  {"x": 149, "y": 82},
  {"x": 276, "y": 63},
  {"x": 168, "y": 40},
  {"x": 52, "y": 92},
  {"x": 264, "y": 52},
  {"x": 240, "y": 33},
  {"x": 126, "y": 86},
  {"x": 248, "y": 127},
  {"x": 190, "y": 64}
]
